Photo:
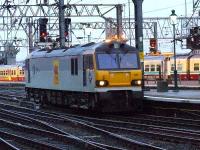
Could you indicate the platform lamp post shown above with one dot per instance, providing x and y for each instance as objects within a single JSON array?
[
  {"x": 173, "y": 21},
  {"x": 88, "y": 32},
  {"x": 83, "y": 26}
]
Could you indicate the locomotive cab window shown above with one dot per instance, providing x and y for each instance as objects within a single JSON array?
[
  {"x": 120, "y": 60},
  {"x": 74, "y": 66},
  {"x": 128, "y": 60}
]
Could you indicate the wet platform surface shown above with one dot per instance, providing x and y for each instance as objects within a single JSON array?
[
  {"x": 188, "y": 94},
  {"x": 181, "y": 96}
]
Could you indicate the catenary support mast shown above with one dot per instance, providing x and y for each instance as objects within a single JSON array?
[
  {"x": 139, "y": 33},
  {"x": 119, "y": 20},
  {"x": 138, "y": 25},
  {"x": 61, "y": 23}
]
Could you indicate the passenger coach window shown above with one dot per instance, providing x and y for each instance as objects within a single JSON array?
[
  {"x": 196, "y": 67},
  {"x": 74, "y": 66},
  {"x": 152, "y": 67},
  {"x": 172, "y": 67},
  {"x": 146, "y": 67},
  {"x": 157, "y": 67},
  {"x": 180, "y": 66}
]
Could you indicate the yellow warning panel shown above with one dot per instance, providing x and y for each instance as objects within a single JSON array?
[
  {"x": 55, "y": 72},
  {"x": 141, "y": 54}
]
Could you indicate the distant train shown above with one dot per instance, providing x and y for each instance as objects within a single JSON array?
[
  {"x": 188, "y": 67},
  {"x": 12, "y": 73},
  {"x": 103, "y": 76}
]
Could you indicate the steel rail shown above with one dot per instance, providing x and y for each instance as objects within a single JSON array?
[{"x": 6, "y": 145}]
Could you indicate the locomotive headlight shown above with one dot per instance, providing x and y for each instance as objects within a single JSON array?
[
  {"x": 101, "y": 83},
  {"x": 136, "y": 82}
]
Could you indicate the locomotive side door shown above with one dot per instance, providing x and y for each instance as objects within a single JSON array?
[
  {"x": 27, "y": 67},
  {"x": 87, "y": 69}
]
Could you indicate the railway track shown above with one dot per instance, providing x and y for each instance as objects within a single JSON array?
[
  {"x": 150, "y": 131},
  {"x": 4, "y": 144},
  {"x": 41, "y": 138},
  {"x": 131, "y": 127},
  {"x": 168, "y": 136},
  {"x": 176, "y": 112},
  {"x": 154, "y": 120},
  {"x": 84, "y": 131}
]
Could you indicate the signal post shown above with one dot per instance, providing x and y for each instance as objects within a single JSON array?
[{"x": 139, "y": 33}]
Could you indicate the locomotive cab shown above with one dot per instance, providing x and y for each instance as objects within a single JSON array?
[
  {"x": 118, "y": 74},
  {"x": 117, "y": 66}
]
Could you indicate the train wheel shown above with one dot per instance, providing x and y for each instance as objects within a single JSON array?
[
  {"x": 66, "y": 99},
  {"x": 28, "y": 95},
  {"x": 43, "y": 98},
  {"x": 95, "y": 103},
  {"x": 91, "y": 102}
]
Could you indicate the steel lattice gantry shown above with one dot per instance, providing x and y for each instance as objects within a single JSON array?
[{"x": 15, "y": 21}]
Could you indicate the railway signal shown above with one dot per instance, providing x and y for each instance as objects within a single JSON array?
[
  {"x": 193, "y": 40},
  {"x": 43, "y": 29},
  {"x": 153, "y": 45},
  {"x": 67, "y": 24}
]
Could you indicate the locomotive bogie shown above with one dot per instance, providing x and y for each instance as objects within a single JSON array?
[{"x": 115, "y": 100}]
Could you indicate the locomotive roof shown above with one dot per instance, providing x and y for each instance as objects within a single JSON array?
[
  {"x": 89, "y": 48},
  {"x": 75, "y": 50}
]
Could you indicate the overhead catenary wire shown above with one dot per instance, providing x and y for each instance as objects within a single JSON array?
[{"x": 164, "y": 8}]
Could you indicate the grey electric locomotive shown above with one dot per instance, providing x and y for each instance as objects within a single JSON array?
[{"x": 99, "y": 76}]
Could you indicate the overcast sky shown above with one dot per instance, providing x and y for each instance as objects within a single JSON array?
[
  {"x": 151, "y": 8},
  {"x": 163, "y": 7}
]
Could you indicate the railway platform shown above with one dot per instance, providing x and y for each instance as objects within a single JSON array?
[
  {"x": 188, "y": 92},
  {"x": 180, "y": 96},
  {"x": 183, "y": 85},
  {"x": 11, "y": 84}
]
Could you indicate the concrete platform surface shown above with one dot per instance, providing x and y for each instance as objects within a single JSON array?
[{"x": 182, "y": 96}]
